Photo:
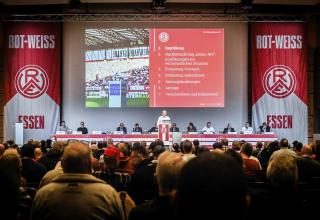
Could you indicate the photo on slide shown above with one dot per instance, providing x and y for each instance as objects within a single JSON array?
[{"x": 117, "y": 67}]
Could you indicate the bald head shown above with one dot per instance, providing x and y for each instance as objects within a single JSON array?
[
  {"x": 307, "y": 150},
  {"x": 76, "y": 158}
]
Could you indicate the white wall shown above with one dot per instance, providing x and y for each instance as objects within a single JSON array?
[{"x": 236, "y": 71}]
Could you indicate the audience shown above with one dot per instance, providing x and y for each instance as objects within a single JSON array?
[
  {"x": 76, "y": 194},
  {"x": 143, "y": 186},
  {"x": 211, "y": 185},
  {"x": 161, "y": 207},
  {"x": 32, "y": 170},
  {"x": 151, "y": 174},
  {"x": 187, "y": 151}
]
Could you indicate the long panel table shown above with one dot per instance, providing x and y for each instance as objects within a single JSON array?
[{"x": 205, "y": 139}]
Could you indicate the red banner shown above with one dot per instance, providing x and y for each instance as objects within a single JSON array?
[
  {"x": 279, "y": 79},
  {"x": 32, "y": 66}
]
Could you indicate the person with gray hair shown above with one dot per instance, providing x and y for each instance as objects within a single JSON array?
[
  {"x": 76, "y": 194},
  {"x": 167, "y": 172}
]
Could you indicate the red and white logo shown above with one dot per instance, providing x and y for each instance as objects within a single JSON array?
[
  {"x": 163, "y": 37},
  {"x": 279, "y": 81},
  {"x": 31, "y": 81}
]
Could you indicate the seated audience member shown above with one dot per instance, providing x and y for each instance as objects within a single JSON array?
[
  {"x": 225, "y": 144},
  {"x": 264, "y": 128},
  {"x": 203, "y": 149},
  {"x": 82, "y": 128},
  {"x": 307, "y": 166},
  {"x": 125, "y": 164},
  {"x": 317, "y": 150},
  {"x": 251, "y": 166},
  {"x": 161, "y": 207},
  {"x": 235, "y": 155},
  {"x": 229, "y": 128},
  {"x": 236, "y": 146},
  {"x": 159, "y": 149},
  {"x": 258, "y": 149},
  {"x": 298, "y": 148},
  {"x": 281, "y": 192},
  {"x": 122, "y": 128},
  {"x": 143, "y": 187},
  {"x": 247, "y": 128},
  {"x": 217, "y": 147},
  {"x": 187, "y": 151},
  {"x": 51, "y": 158},
  {"x": 284, "y": 149},
  {"x": 266, "y": 153},
  {"x": 208, "y": 129},
  {"x": 9, "y": 191},
  {"x": 174, "y": 128},
  {"x": 153, "y": 129},
  {"x": 191, "y": 127},
  {"x": 2, "y": 150},
  {"x": 196, "y": 146},
  {"x": 119, "y": 180},
  {"x": 32, "y": 170},
  {"x": 137, "y": 128},
  {"x": 37, "y": 153},
  {"x": 176, "y": 148},
  {"x": 63, "y": 127},
  {"x": 76, "y": 194},
  {"x": 211, "y": 181}
]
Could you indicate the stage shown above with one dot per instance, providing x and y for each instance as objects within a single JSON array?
[{"x": 205, "y": 139}]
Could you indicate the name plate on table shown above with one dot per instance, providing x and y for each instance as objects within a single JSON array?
[
  {"x": 136, "y": 132},
  {"x": 118, "y": 132},
  {"x": 192, "y": 132},
  {"x": 77, "y": 132},
  {"x": 247, "y": 132},
  {"x": 270, "y": 132},
  {"x": 154, "y": 133},
  {"x": 60, "y": 132},
  {"x": 96, "y": 132},
  {"x": 232, "y": 132}
]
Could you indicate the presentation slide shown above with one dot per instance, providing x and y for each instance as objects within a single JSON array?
[{"x": 135, "y": 67}]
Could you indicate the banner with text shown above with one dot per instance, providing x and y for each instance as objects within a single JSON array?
[
  {"x": 32, "y": 54},
  {"x": 279, "y": 79}
]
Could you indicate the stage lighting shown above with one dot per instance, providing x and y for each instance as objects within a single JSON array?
[
  {"x": 158, "y": 4},
  {"x": 246, "y": 4}
]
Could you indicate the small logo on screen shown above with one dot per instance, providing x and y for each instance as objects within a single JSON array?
[
  {"x": 163, "y": 37},
  {"x": 31, "y": 81},
  {"x": 279, "y": 81}
]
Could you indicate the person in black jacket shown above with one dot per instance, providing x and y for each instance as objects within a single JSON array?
[
  {"x": 137, "y": 128},
  {"x": 229, "y": 128},
  {"x": 167, "y": 171},
  {"x": 264, "y": 128},
  {"x": 82, "y": 128},
  {"x": 122, "y": 128}
]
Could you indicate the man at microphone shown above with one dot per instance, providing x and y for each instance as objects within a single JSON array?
[
  {"x": 163, "y": 118},
  {"x": 164, "y": 131}
]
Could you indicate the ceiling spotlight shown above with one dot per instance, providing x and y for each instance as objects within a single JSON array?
[
  {"x": 158, "y": 4},
  {"x": 246, "y": 4}
]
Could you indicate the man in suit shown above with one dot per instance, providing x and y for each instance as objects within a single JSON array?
[
  {"x": 137, "y": 128},
  {"x": 122, "y": 128},
  {"x": 264, "y": 128},
  {"x": 174, "y": 128},
  {"x": 153, "y": 129},
  {"x": 229, "y": 128}
]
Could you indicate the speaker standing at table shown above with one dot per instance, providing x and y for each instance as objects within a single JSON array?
[{"x": 163, "y": 124}]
